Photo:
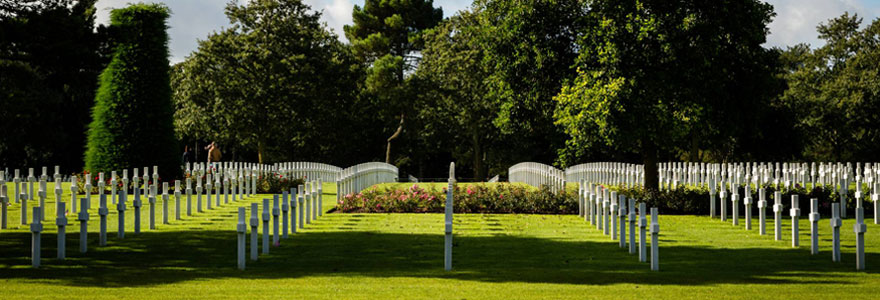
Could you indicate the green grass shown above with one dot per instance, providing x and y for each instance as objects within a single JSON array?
[{"x": 381, "y": 256}]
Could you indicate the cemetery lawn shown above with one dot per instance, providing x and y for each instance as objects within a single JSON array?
[{"x": 382, "y": 256}]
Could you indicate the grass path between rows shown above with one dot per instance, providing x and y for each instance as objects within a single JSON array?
[{"x": 400, "y": 256}]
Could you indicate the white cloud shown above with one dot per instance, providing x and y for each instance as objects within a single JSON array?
[
  {"x": 796, "y": 20},
  {"x": 336, "y": 13}
]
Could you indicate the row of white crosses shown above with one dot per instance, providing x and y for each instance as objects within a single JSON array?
[
  {"x": 83, "y": 216},
  {"x": 607, "y": 173},
  {"x": 220, "y": 178},
  {"x": 309, "y": 170},
  {"x": 359, "y": 177},
  {"x": 537, "y": 174},
  {"x": 245, "y": 174},
  {"x": 794, "y": 213},
  {"x": 611, "y": 212},
  {"x": 835, "y": 177},
  {"x": 303, "y": 204},
  {"x": 240, "y": 177},
  {"x": 24, "y": 191}
]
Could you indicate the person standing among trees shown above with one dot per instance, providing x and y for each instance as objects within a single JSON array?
[
  {"x": 214, "y": 154},
  {"x": 187, "y": 156}
]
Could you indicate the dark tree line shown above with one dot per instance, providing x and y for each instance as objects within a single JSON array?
[{"x": 51, "y": 54}]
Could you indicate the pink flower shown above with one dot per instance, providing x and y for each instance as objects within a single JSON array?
[
  {"x": 469, "y": 191},
  {"x": 500, "y": 196}
]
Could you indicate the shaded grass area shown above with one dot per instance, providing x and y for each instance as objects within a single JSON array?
[{"x": 369, "y": 256}]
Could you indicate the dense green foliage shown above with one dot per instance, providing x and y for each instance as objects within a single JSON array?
[
  {"x": 531, "y": 47},
  {"x": 276, "y": 83},
  {"x": 452, "y": 81},
  {"x": 132, "y": 121},
  {"x": 387, "y": 36},
  {"x": 28, "y": 118},
  {"x": 655, "y": 75},
  {"x": 50, "y": 56},
  {"x": 835, "y": 90}
]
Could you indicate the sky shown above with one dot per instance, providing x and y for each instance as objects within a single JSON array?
[{"x": 192, "y": 20}]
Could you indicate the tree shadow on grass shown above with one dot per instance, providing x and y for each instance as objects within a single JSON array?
[{"x": 156, "y": 258}]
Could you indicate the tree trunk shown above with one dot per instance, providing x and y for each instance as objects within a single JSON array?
[
  {"x": 260, "y": 152},
  {"x": 393, "y": 136},
  {"x": 695, "y": 150},
  {"x": 196, "y": 158},
  {"x": 649, "y": 153},
  {"x": 478, "y": 160}
]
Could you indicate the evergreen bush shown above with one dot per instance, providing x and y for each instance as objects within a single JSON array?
[{"x": 132, "y": 120}]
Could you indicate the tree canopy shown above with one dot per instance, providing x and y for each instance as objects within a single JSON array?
[
  {"x": 554, "y": 81},
  {"x": 835, "y": 91},
  {"x": 61, "y": 52},
  {"x": 277, "y": 83},
  {"x": 387, "y": 37},
  {"x": 656, "y": 75}
]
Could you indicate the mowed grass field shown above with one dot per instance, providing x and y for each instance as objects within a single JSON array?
[{"x": 400, "y": 256}]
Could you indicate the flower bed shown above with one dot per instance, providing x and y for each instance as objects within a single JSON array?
[{"x": 479, "y": 198}]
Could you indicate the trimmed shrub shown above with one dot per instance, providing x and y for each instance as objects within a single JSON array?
[
  {"x": 132, "y": 120},
  {"x": 276, "y": 183}
]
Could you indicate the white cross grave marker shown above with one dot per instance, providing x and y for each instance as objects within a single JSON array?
[
  {"x": 835, "y": 232},
  {"x": 241, "y": 229},
  {"x": 266, "y": 226},
  {"x": 447, "y": 253},
  {"x": 795, "y": 216},
  {"x": 61, "y": 222},
  {"x": 36, "y": 229},
  {"x": 655, "y": 249},
  {"x": 814, "y": 226}
]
